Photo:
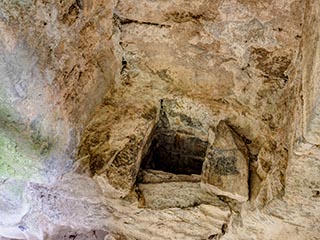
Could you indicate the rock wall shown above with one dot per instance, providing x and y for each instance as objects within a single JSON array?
[
  {"x": 310, "y": 73},
  {"x": 86, "y": 85},
  {"x": 239, "y": 59},
  {"x": 58, "y": 61}
]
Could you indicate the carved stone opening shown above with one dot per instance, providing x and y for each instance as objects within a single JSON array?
[
  {"x": 175, "y": 152},
  {"x": 186, "y": 162},
  {"x": 172, "y": 160}
]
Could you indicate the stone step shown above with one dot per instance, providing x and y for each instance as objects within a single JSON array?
[
  {"x": 183, "y": 195},
  {"x": 157, "y": 176}
]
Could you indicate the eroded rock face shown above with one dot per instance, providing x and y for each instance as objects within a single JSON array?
[
  {"x": 226, "y": 168},
  {"x": 46, "y": 80},
  {"x": 80, "y": 108}
]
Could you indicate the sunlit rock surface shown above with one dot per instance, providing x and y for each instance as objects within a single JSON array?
[{"x": 113, "y": 115}]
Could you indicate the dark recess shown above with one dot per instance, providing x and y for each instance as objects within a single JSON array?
[{"x": 176, "y": 153}]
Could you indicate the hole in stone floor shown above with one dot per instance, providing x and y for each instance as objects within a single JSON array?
[{"x": 175, "y": 152}]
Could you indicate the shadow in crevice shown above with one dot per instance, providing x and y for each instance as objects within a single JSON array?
[{"x": 175, "y": 152}]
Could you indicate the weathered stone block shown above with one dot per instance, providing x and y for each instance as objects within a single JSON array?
[
  {"x": 225, "y": 169},
  {"x": 177, "y": 194}
]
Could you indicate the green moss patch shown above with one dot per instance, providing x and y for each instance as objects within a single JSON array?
[{"x": 14, "y": 163}]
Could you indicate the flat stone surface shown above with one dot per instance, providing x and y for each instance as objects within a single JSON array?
[
  {"x": 177, "y": 195},
  {"x": 156, "y": 176}
]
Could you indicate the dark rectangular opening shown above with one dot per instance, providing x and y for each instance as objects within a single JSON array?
[{"x": 176, "y": 153}]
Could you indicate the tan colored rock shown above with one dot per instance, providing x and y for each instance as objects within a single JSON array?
[
  {"x": 156, "y": 176},
  {"x": 178, "y": 195},
  {"x": 94, "y": 71},
  {"x": 225, "y": 169}
]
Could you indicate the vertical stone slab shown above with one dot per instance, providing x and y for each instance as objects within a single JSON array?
[
  {"x": 310, "y": 73},
  {"x": 225, "y": 169}
]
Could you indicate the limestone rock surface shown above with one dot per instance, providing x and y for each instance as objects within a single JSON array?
[
  {"x": 226, "y": 167},
  {"x": 110, "y": 112}
]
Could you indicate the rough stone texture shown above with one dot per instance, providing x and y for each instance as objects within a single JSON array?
[
  {"x": 179, "y": 141},
  {"x": 177, "y": 195},
  {"x": 226, "y": 168},
  {"x": 310, "y": 74},
  {"x": 57, "y": 62},
  {"x": 94, "y": 72}
]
